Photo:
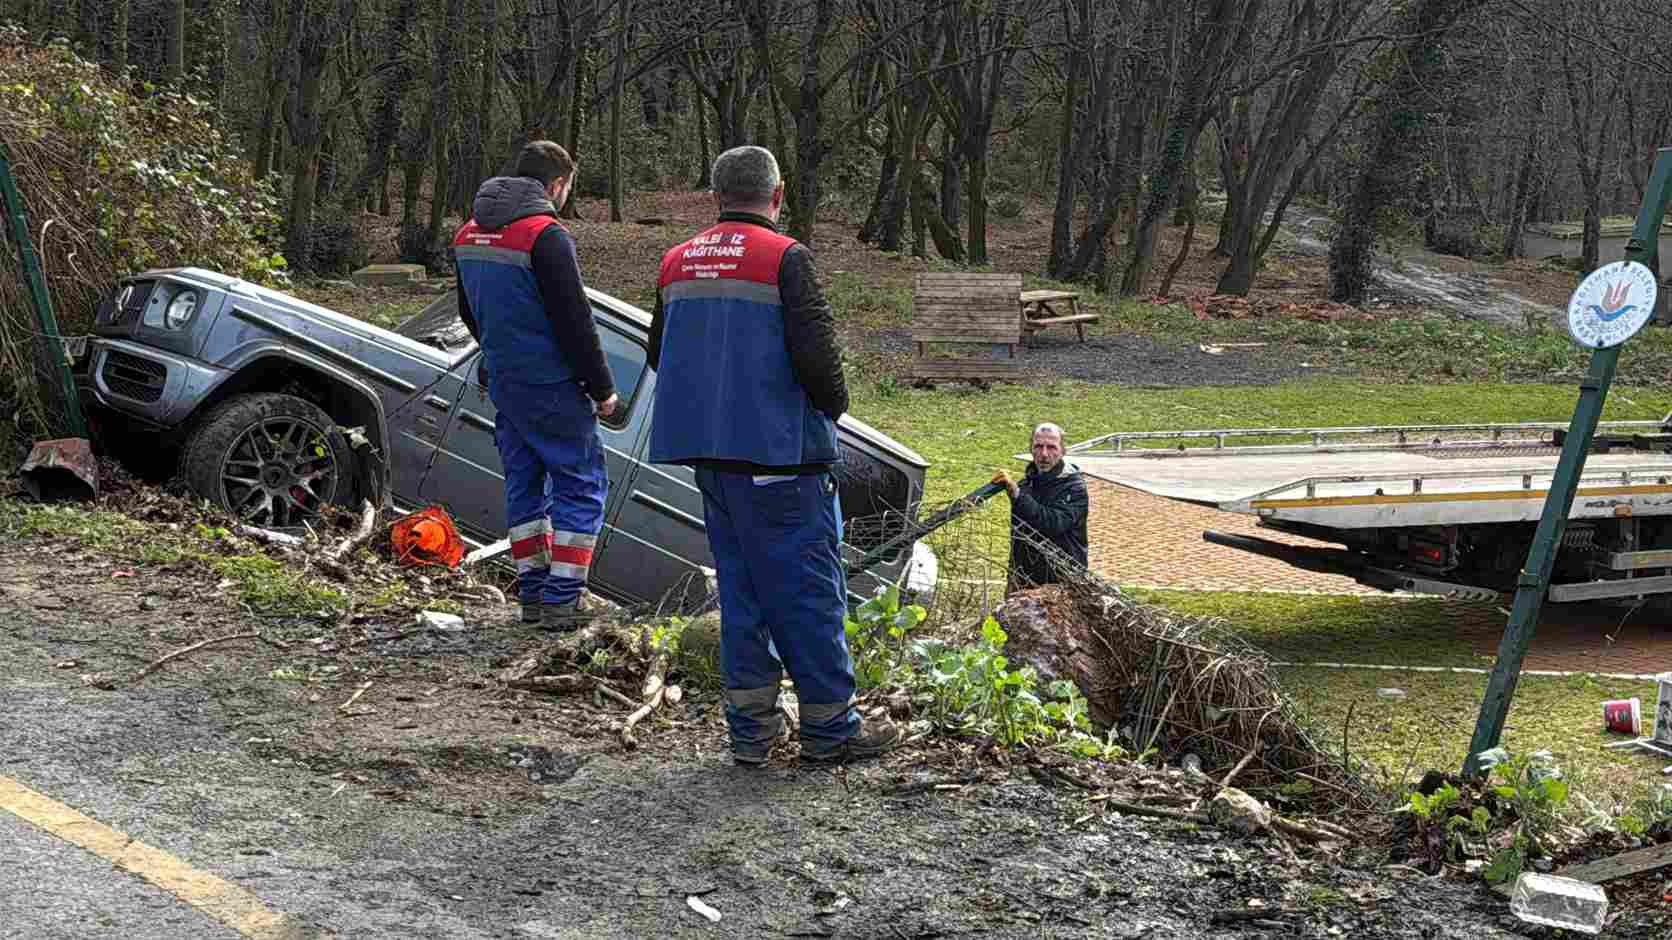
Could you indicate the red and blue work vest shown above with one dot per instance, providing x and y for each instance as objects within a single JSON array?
[
  {"x": 725, "y": 390},
  {"x": 497, "y": 271}
]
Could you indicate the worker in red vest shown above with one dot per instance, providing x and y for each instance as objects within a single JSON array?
[
  {"x": 522, "y": 298},
  {"x": 749, "y": 388}
]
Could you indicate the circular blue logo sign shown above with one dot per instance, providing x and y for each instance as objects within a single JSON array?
[{"x": 1612, "y": 304}]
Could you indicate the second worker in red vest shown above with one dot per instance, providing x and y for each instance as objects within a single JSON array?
[
  {"x": 749, "y": 388},
  {"x": 522, "y": 298}
]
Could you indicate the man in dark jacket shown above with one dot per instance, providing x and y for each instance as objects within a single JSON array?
[
  {"x": 1048, "y": 511},
  {"x": 522, "y": 298},
  {"x": 749, "y": 388}
]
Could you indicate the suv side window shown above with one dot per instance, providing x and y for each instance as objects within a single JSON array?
[{"x": 626, "y": 358}]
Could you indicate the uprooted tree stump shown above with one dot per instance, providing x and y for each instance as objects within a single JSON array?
[{"x": 1180, "y": 685}]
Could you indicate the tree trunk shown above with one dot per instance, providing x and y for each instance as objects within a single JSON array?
[
  {"x": 1520, "y": 200},
  {"x": 705, "y": 169},
  {"x": 174, "y": 51},
  {"x": 280, "y": 52},
  {"x": 624, "y": 11},
  {"x": 977, "y": 182},
  {"x": 441, "y": 118},
  {"x": 490, "y": 90},
  {"x": 1062, "y": 216},
  {"x": 576, "y": 121},
  {"x": 887, "y": 179},
  {"x": 119, "y": 13},
  {"x": 386, "y": 120},
  {"x": 944, "y": 235},
  {"x": 304, "y": 132},
  {"x": 1399, "y": 112},
  {"x": 1217, "y": 32}
]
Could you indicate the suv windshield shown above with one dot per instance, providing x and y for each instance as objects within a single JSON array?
[{"x": 439, "y": 325}]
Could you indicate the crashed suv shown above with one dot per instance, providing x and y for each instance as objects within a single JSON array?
[{"x": 277, "y": 407}]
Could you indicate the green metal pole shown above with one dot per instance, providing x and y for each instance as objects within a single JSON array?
[
  {"x": 38, "y": 293},
  {"x": 1541, "y": 558}
]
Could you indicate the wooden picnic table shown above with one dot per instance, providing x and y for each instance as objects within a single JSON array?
[{"x": 1039, "y": 314}]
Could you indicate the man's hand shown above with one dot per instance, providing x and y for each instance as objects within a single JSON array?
[
  {"x": 607, "y": 406},
  {"x": 1002, "y": 478}
]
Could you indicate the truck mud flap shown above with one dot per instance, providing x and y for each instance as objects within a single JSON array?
[{"x": 1351, "y": 564}]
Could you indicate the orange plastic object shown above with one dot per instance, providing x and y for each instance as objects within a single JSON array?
[{"x": 427, "y": 537}]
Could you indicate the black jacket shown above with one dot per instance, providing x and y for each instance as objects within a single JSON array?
[
  {"x": 1054, "y": 506},
  {"x": 505, "y": 199}
]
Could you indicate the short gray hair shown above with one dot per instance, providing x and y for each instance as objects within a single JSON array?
[
  {"x": 1048, "y": 426},
  {"x": 746, "y": 176}
]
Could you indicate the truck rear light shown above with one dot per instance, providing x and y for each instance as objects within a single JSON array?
[{"x": 1433, "y": 554}]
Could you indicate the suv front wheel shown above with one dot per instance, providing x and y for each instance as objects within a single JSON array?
[{"x": 271, "y": 459}]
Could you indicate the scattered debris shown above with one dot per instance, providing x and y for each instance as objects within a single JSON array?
[
  {"x": 1555, "y": 901},
  {"x": 1237, "y": 811},
  {"x": 355, "y": 697},
  {"x": 436, "y": 620},
  {"x": 696, "y": 904},
  {"x": 269, "y": 537},
  {"x": 61, "y": 469}
]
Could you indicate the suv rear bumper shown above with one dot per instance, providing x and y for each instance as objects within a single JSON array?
[{"x": 141, "y": 381}]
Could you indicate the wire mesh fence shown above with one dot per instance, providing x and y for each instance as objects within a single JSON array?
[{"x": 32, "y": 351}]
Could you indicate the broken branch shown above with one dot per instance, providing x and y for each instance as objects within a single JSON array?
[
  {"x": 627, "y": 729},
  {"x": 1226, "y": 780},
  {"x": 355, "y": 697},
  {"x": 269, "y": 537},
  {"x": 154, "y": 666},
  {"x": 1140, "y": 809},
  {"x": 1299, "y": 830},
  {"x": 362, "y": 533}
]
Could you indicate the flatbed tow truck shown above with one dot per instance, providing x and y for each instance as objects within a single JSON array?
[{"x": 1447, "y": 509}]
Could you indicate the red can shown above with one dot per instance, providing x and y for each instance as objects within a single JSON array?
[{"x": 1624, "y": 715}]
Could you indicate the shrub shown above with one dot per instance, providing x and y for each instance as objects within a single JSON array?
[
  {"x": 116, "y": 178},
  {"x": 1007, "y": 207},
  {"x": 337, "y": 246}
]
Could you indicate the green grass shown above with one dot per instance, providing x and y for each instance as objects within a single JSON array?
[
  {"x": 1322, "y": 628},
  {"x": 267, "y": 585},
  {"x": 1431, "y": 726},
  {"x": 965, "y": 433}
]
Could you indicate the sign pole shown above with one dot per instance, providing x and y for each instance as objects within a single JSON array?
[{"x": 1610, "y": 306}]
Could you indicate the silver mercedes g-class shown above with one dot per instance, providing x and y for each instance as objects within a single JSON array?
[{"x": 276, "y": 407}]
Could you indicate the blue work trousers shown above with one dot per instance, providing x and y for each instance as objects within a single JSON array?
[
  {"x": 775, "y": 541},
  {"x": 556, "y": 483}
]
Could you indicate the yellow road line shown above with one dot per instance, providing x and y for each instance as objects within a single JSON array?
[
  {"x": 215, "y": 896},
  {"x": 1475, "y": 496}
]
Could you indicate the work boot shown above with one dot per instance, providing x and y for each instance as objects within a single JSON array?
[
  {"x": 564, "y": 617},
  {"x": 753, "y": 755},
  {"x": 872, "y": 739}
]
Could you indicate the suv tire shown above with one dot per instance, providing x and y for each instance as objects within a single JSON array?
[{"x": 288, "y": 449}]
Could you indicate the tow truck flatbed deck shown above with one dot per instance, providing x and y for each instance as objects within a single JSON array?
[{"x": 1379, "y": 477}]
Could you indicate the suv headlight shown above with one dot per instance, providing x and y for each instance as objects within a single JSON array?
[{"x": 180, "y": 309}]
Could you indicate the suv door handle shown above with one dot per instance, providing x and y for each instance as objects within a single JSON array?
[{"x": 438, "y": 403}]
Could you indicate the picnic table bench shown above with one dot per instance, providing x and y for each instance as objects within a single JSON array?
[
  {"x": 972, "y": 313},
  {"x": 1039, "y": 314}
]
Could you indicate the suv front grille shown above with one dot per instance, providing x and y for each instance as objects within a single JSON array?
[
  {"x": 134, "y": 377},
  {"x": 129, "y": 312}
]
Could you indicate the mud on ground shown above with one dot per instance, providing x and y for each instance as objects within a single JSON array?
[{"x": 439, "y": 797}]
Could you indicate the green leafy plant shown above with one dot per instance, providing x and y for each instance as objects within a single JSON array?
[
  {"x": 877, "y": 633},
  {"x": 1532, "y": 788}
]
